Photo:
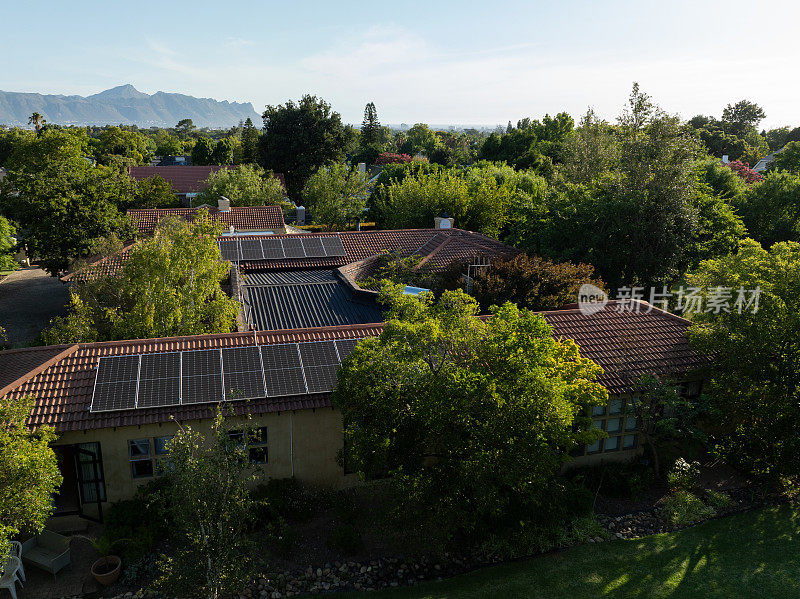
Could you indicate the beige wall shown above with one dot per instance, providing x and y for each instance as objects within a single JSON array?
[{"x": 303, "y": 444}]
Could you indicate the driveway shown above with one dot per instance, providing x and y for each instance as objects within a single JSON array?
[{"x": 29, "y": 298}]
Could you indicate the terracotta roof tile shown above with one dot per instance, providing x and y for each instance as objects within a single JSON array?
[
  {"x": 625, "y": 344},
  {"x": 184, "y": 179},
  {"x": 243, "y": 218}
]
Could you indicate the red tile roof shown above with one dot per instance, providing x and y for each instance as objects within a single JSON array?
[
  {"x": 184, "y": 179},
  {"x": 243, "y": 218},
  {"x": 626, "y": 344}
]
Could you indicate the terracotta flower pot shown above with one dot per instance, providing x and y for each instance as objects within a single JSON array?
[{"x": 106, "y": 570}]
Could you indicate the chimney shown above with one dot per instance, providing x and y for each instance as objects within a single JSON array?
[
  {"x": 443, "y": 221},
  {"x": 362, "y": 168},
  {"x": 725, "y": 158},
  {"x": 223, "y": 204},
  {"x": 301, "y": 216}
]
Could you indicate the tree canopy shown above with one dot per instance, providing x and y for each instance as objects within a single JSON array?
[
  {"x": 471, "y": 418},
  {"x": 245, "y": 185},
  {"x": 169, "y": 286},
  {"x": 336, "y": 195}
]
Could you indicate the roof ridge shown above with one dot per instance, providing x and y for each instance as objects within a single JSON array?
[
  {"x": 68, "y": 277},
  {"x": 40, "y": 368}
]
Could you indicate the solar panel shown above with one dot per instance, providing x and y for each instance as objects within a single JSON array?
[
  {"x": 278, "y": 357},
  {"x": 293, "y": 248},
  {"x": 313, "y": 247},
  {"x": 159, "y": 380},
  {"x": 201, "y": 376},
  {"x": 345, "y": 347},
  {"x": 116, "y": 383},
  {"x": 319, "y": 353},
  {"x": 320, "y": 379},
  {"x": 289, "y": 381},
  {"x": 229, "y": 249},
  {"x": 333, "y": 246},
  {"x": 251, "y": 249},
  {"x": 242, "y": 373},
  {"x": 272, "y": 249}
]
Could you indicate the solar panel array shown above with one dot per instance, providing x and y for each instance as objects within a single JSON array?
[
  {"x": 280, "y": 248},
  {"x": 214, "y": 375}
]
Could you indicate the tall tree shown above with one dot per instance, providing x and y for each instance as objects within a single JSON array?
[
  {"x": 472, "y": 418},
  {"x": 29, "y": 473},
  {"x": 245, "y": 185},
  {"x": 743, "y": 116},
  {"x": 370, "y": 126},
  {"x": 298, "y": 138},
  {"x": 203, "y": 151},
  {"x": 8, "y": 245},
  {"x": 184, "y": 128},
  {"x": 169, "y": 286},
  {"x": 249, "y": 142},
  {"x": 336, "y": 195},
  {"x": 37, "y": 120}
]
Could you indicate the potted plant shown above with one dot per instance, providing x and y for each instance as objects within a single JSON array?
[{"x": 106, "y": 570}]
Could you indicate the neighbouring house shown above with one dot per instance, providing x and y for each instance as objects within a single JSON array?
[
  {"x": 115, "y": 404},
  {"x": 250, "y": 220},
  {"x": 764, "y": 163}
]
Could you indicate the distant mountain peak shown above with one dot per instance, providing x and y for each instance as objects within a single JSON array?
[{"x": 121, "y": 91}]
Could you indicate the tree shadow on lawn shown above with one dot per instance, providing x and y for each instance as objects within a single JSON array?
[{"x": 748, "y": 555}]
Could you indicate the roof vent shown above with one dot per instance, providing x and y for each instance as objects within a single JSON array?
[
  {"x": 224, "y": 204},
  {"x": 443, "y": 221}
]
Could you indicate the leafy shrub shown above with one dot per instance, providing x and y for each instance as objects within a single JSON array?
[
  {"x": 136, "y": 570},
  {"x": 279, "y": 535},
  {"x": 283, "y": 498},
  {"x": 684, "y": 476},
  {"x": 587, "y": 527},
  {"x": 138, "y": 546},
  {"x": 718, "y": 499},
  {"x": 392, "y": 158},
  {"x": 345, "y": 538},
  {"x": 526, "y": 540},
  {"x": 626, "y": 480},
  {"x": 682, "y": 508}
]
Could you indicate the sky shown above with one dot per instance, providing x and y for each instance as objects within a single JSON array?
[{"x": 436, "y": 62}]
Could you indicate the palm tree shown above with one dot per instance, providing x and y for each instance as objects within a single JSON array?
[{"x": 37, "y": 120}]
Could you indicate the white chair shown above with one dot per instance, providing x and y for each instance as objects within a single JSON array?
[
  {"x": 16, "y": 551},
  {"x": 10, "y": 577}
]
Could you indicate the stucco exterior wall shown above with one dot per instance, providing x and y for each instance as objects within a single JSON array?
[{"x": 302, "y": 444}]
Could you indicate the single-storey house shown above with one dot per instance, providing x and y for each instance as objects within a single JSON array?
[
  {"x": 250, "y": 220},
  {"x": 115, "y": 404},
  {"x": 186, "y": 181}
]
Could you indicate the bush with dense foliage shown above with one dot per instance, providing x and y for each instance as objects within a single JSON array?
[
  {"x": 245, "y": 185},
  {"x": 336, "y": 196},
  {"x": 471, "y": 418},
  {"x": 392, "y": 158},
  {"x": 771, "y": 209},
  {"x": 744, "y": 172},
  {"x": 683, "y": 508},
  {"x": 8, "y": 245},
  {"x": 168, "y": 286}
]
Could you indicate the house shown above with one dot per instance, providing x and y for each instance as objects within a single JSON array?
[
  {"x": 187, "y": 181},
  {"x": 764, "y": 163},
  {"x": 115, "y": 404},
  {"x": 250, "y": 220}
]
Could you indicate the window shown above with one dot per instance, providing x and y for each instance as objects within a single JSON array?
[
  {"x": 690, "y": 389},
  {"x": 90, "y": 472},
  {"x": 160, "y": 449},
  {"x": 258, "y": 443},
  {"x": 139, "y": 456},
  {"x": 614, "y": 419}
]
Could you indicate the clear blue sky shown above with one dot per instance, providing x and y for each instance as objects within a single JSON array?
[{"x": 436, "y": 61}]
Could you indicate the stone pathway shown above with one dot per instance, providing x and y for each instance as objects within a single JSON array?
[
  {"x": 29, "y": 298},
  {"x": 73, "y": 581}
]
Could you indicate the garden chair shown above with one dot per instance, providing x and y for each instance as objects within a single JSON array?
[
  {"x": 16, "y": 551},
  {"x": 10, "y": 576}
]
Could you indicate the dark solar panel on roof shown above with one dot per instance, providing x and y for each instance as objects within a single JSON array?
[
  {"x": 289, "y": 381},
  {"x": 229, "y": 249},
  {"x": 319, "y": 353},
  {"x": 118, "y": 368},
  {"x": 278, "y": 357},
  {"x": 313, "y": 247},
  {"x": 120, "y": 395},
  {"x": 333, "y": 246},
  {"x": 242, "y": 373},
  {"x": 320, "y": 379},
  {"x": 159, "y": 380},
  {"x": 293, "y": 248},
  {"x": 251, "y": 249},
  {"x": 201, "y": 378},
  {"x": 345, "y": 347},
  {"x": 272, "y": 248}
]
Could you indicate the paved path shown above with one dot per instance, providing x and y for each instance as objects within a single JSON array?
[{"x": 29, "y": 298}]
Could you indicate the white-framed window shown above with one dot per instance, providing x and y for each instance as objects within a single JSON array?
[
  {"x": 259, "y": 453},
  {"x": 140, "y": 458},
  {"x": 619, "y": 425}
]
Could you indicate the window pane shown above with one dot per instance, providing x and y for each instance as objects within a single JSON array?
[
  {"x": 598, "y": 410},
  {"x": 614, "y": 425},
  {"x": 142, "y": 468},
  {"x": 601, "y": 424},
  {"x": 258, "y": 455},
  {"x": 160, "y": 444},
  {"x": 612, "y": 443},
  {"x": 258, "y": 436},
  {"x": 139, "y": 449},
  {"x": 594, "y": 447},
  {"x": 630, "y": 423},
  {"x": 93, "y": 448},
  {"x": 615, "y": 406},
  {"x": 629, "y": 441}
]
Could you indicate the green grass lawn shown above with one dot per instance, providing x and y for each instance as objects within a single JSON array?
[{"x": 749, "y": 555}]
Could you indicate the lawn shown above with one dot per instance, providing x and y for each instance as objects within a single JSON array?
[{"x": 749, "y": 555}]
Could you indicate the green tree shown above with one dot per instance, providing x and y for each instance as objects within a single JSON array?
[
  {"x": 370, "y": 126},
  {"x": 245, "y": 185},
  {"x": 298, "y": 138},
  {"x": 167, "y": 145},
  {"x": 60, "y": 201},
  {"x": 249, "y": 142},
  {"x": 788, "y": 159},
  {"x": 185, "y": 128},
  {"x": 742, "y": 117},
  {"x": 472, "y": 419},
  {"x": 209, "y": 503},
  {"x": 154, "y": 192},
  {"x": 771, "y": 209},
  {"x": 29, "y": 473},
  {"x": 10, "y": 140},
  {"x": 169, "y": 286},
  {"x": 336, "y": 195},
  {"x": 755, "y": 356},
  {"x": 531, "y": 282},
  {"x": 203, "y": 151},
  {"x": 420, "y": 139},
  {"x": 37, "y": 120},
  {"x": 591, "y": 151},
  {"x": 129, "y": 147},
  {"x": 8, "y": 245},
  {"x": 223, "y": 151}
]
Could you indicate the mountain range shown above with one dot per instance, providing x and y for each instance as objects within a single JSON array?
[{"x": 123, "y": 105}]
